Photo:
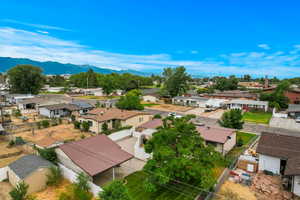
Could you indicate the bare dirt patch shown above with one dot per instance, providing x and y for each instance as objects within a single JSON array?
[
  {"x": 171, "y": 108},
  {"x": 243, "y": 192},
  {"x": 5, "y": 188},
  {"x": 60, "y": 133}
]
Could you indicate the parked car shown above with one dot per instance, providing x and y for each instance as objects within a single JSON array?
[
  {"x": 297, "y": 119},
  {"x": 173, "y": 114}
]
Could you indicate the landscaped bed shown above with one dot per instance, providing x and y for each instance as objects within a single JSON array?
[
  {"x": 171, "y": 192},
  {"x": 257, "y": 117}
]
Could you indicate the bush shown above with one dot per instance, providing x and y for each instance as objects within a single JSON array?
[
  {"x": 104, "y": 127},
  {"x": 73, "y": 118},
  {"x": 16, "y": 113},
  {"x": 240, "y": 142},
  {"x": 19, "y": 192},
  {"x": 45, "y": 123},
  {"x": 85, "y": 126},
  {"x": 19, "y": 141},
  {"x": 55, "y": 176},
  {"x": 115, "y": 191},
  {"x": 39, "y": 125},
  {"x": 59, "y": 121},
  {"x": 232, "y": 119},
  {"x": 48, "y": 154},
  {"x": 157, "y": 116},
  {"x": 77, "y": 124},
  {"x": 11, "y": 143}
]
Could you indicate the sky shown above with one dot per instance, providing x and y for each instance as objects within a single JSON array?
[{"x": 215, "y": 37}]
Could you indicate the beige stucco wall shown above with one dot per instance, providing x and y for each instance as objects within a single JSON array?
[
  {"x": 150, "y": 98},
  {"x": 136, "y": 120},
  {"x": 229, "y": 144},
  {"x": 36, "y": 180}
]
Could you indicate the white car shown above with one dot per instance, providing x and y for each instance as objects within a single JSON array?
[
  {"x": 173, "y": 114},
  {"x": 297, "y": 119}
]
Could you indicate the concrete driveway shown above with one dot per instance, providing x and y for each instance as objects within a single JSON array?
[
  {"x": 5, "y": 188},
  {"x": 285, "y": 123}
]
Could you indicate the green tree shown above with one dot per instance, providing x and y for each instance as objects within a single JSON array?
[
  {"x": 85, "y": 126},
  {"x": 175, "y": 81},
  {"x": 232, "y": 119},
  {"x": 56, "y": 81},
  {"x": 131, "y": 101},
  {"x": 25, "y": 79},
  {"x": 76, "y": 124},
  {"x": 20, "y": 191},
  {"x": 48, "y": 154},
  {"x": 222, "y": 83},
  {"x": 179, "y": 153},
  {"x": 104, "y": 127},
  {"x": 54, "y": 178},
  {"x": 115, "y": 191}
]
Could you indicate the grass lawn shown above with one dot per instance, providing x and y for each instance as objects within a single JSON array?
[
  {"x": 257, "y": 117},
  {"x": 236, "y": 151},
  {"x": 171, "y": 192}
]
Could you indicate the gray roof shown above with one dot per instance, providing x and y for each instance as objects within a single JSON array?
[
  {"x": 82, "y": 104},
  {"x": 247, "y": 102},
  {"x": 294, "y": 108},
  {"x": 195, "y": 98},
  {"x": 28, "y": 164}
]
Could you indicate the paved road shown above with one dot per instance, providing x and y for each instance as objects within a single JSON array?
[{"x": 248, "y": 127}]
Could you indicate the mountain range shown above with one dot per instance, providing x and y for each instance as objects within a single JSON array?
[{"x": 50, "y": 67}]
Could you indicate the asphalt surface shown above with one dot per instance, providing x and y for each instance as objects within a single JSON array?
[{"x": 248, "y": 127}]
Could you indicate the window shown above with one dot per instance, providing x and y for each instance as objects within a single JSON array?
[{"x": 90, "y": 123}]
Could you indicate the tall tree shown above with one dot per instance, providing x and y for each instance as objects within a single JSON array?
[
  {"x": 131, "y": 101},
  {"x": 176, "y": 81},
  {"x": 232, "y": 119},
  {"x": 25, "y": 79},
  {"x": 179, "y": 154}
]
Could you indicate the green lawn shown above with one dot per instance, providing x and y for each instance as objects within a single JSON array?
[
  {"x": 170, "y": 192},
  {"x": 257, "y": 117},
  {"x": 247, "y": 138}
]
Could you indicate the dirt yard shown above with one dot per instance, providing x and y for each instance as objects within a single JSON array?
[
  {"x": 60, "y": 133},
  {"x": 217, "y": 114},
  {"x": 5, "y": 188},
  {"x": 8, "y": 155},
  {"x": 243, "y": 192},
  {"x": 171, "y": 108}
]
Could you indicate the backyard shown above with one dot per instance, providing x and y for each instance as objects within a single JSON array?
[
  {"x": 246, "y": 139},
  {"x": 98, "y": 97},
  {"x": 257, "y": 117},
  {"x": 173, "y": 191}
]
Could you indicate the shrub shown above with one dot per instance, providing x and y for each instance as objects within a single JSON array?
[
  {"x": 104, "y": 127},
  {"x": 19, "y": 141},
  {"x": 82, "y": 136},
  {"x": 55, "y": 176},
  {"x": 157, "y": 116},
  {"x": 19, "y": 192},
  {"x": 59, "y": 120},
  {"x": 240, "y": 142},
  {"x": 77, "y": 124},
  {"x": 115, "y": 191},
  {"x": 48, "y": 154},
  {"x": 39, "y": 125},
  {"x": 73, "y": 118},
  {"x": 45, "y": 123},
  {"x": 16, "y": 113},
  {"x": 82, "y": 182},
  {"x": 85, "y": 126},
  {"x": 11, "y": 143}
]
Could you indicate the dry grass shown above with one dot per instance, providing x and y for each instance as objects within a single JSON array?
[
  {"x": 60, "y": 133},
  {"x": 6, "y": 161},
  {"x": 243, "y": 192},
  {"x": 171, "y": 108},
  {"x": 5, "y": 150}
]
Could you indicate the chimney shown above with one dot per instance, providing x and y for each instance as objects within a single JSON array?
[{"x": 266, "y": 85}]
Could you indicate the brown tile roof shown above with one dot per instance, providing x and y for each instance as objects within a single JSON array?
[
  {"x": 95, "y": 154},
  {"x": 292, "y": 167},
  {"x": 215, "y": 134},
  {"x": 281, "y": 146},
  {"x": 104, "y": 114},
  {"x": 153, "y": 124}
]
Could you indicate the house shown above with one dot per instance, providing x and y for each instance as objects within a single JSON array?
[
  {"x": 223, "y": 139},
  {"x": 193, "y": 101},
  {"x": 93, "y": 91},
  {"x": 31, "y": 169},
  {"x": 232, "y": 94},
  {"x": 92, "y": 156},
  {"x": 280, "y": 154},
  {"x": 34, "y": 103},
  {"x": 58, "y": 110},
  {"x": 15, "y": 98},
  {"x": 247, "y": 104},
  {"x": 215, "y": 103},
  {"x": 294, "y": 110},
  {"x": 292, "y": 94},
  {"x": 150, "y": 95},
  {"x": 83, "y": 105},
  {"x": 114, "y": 118}
]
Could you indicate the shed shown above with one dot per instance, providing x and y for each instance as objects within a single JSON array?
[{"x": 31, "y": 169}]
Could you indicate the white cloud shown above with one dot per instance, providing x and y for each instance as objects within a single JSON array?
[
  {"x": 43, "y": 47},
  {"x": 44, "y": 32},
  {"x": 264, "y": 46},
  {"x": 40, "y": 26}
]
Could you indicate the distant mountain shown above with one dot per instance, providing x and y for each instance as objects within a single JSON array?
[{"x": 50, "y": 67}]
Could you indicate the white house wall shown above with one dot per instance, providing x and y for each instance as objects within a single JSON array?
[
  {"x": 269, "y": 163},
  {"x": 296, "y": 185}
]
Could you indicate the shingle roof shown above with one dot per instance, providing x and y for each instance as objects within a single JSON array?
[
  {"x": 28, "y": 164},
  {"x": 70, "y": 107},
  {"x": 104, "y": 114},
  {"x": 82, "y": 104},
  {"x": 95, "y": 154},
  {"x": 215, "y": 134},
  {"x": 281, "y": 146}
]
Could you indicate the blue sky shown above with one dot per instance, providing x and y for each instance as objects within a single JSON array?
[{"x": 216, "y": 37}]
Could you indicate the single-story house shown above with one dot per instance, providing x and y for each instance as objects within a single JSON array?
[
  {"x": 247, "y": 104},
  {"x": 92, "y": 156},
  {"x": 280, "y": 154},
  {"x": 215, "y": 103},
  {"x": 294, "y": 110},
  {"x": 150, "y": 95},
  {"x": 34, "y": 103},
  {"x": 232, "y": 94},
  {"x": 58, "y": 110},
  {"x": 54, "y": 89},
  {"x": 193, "y": 101},
  {"x": 31, "y": 169},
  {"x": 15, "y": 98},
  {"x": 84, "y": 106},
  {"x": 93, "y": 91},
  {"x": 114, "y": 118},
  {"x": 223, "y": 139}
]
